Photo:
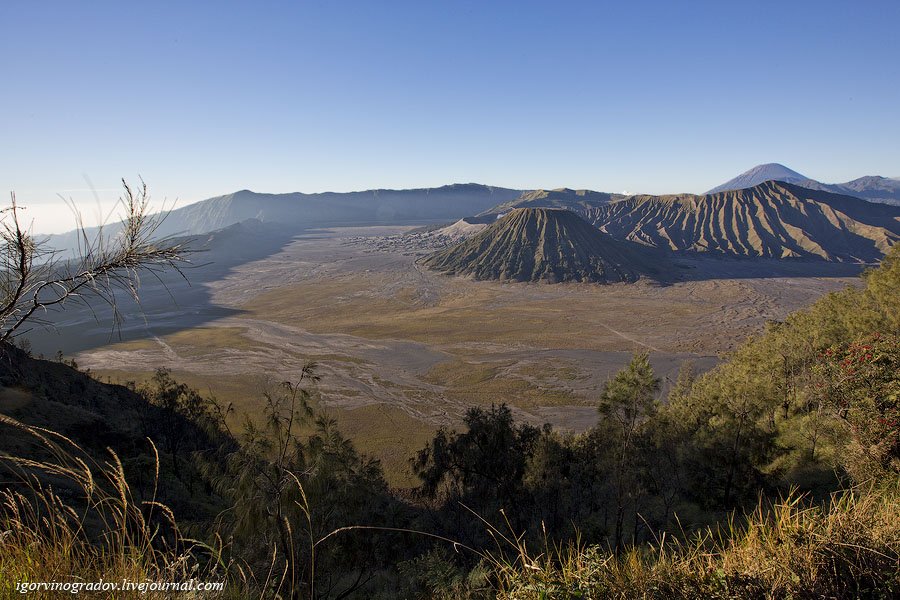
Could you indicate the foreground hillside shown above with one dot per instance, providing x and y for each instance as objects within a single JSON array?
[
  {"x": 771, "y": 220},
  {"x": 848, "y": 549},
  {"x": 541, "y": 244},
  {"x": 814, "y": 398}
]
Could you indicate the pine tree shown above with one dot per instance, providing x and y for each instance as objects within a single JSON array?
[{"x": 627, "y": 401}]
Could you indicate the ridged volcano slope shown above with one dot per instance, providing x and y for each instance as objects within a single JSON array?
[
  {"x": 541, "y": 244},
  {"x": 773, "y": 219}
]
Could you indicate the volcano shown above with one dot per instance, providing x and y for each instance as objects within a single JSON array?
[{"x": 543, "y": 244}]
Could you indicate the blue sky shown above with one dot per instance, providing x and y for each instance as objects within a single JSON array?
[{"x": 205, "y": 98}]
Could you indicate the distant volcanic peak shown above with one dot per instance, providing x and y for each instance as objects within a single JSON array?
[
  {"x": 760, "y": 174},
  {"x": 538, "y": 244},
  {"x": 774, "y": 171},
  {"x": 873, "y": 188}
]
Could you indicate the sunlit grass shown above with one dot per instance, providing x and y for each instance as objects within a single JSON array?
[{"x": 847, "y": 549}]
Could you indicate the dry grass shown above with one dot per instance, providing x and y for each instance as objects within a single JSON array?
[
  {"x": 482, "y": 383},
  {"x": 548, "y": 372},
  {"x": 387, "y": 433},
  {"x": 566, "y": 316},
  {"x": 377, "y": 429},
  {"x": 848, "y": 549},
  {"x": 197, "y": 341},
  {"x": 70, "y": 519},
  {"x": 244, "y": 392}
]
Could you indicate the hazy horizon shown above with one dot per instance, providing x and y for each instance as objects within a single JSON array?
[
  {"x": 650, "y": 98},
  {"x": 96, "y": 206}
]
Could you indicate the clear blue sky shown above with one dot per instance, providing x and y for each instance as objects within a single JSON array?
[{"x": 205, "y": 98}]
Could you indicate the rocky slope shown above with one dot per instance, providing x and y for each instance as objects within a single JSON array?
[
  {"x": 773, "y": 219},
  {"x": 541, "y": 244}
]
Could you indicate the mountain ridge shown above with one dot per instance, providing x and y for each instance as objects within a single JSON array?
[
  {"x": 300, "y": 210},
  {"x": 770, "y": 220},
  {"x": 873, "y": 188}
]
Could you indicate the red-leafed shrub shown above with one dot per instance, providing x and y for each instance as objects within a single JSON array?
[{"x": 861, "y": 383}]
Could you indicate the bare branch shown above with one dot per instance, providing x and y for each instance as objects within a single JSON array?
[{"x": 35, "y": 279}]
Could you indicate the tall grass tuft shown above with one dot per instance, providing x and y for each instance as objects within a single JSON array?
[
  {"x": 68, "y": 518},
  {"x": 849, "y": 548}
]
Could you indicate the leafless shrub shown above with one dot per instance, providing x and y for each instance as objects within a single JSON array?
[{"x": 35, "y": 279}]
